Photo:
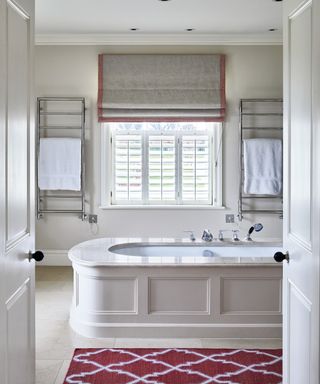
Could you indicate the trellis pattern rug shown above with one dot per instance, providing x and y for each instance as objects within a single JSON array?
[{"x": 175, "y": 366}]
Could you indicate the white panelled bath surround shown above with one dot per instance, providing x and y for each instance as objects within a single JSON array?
[{"x": 176, "y": 288}]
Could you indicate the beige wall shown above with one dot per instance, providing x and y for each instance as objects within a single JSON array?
[{"x": 251, "y": 71}]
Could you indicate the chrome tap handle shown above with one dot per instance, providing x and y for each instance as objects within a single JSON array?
[
  {"x": 191, "y": 235},
  {"x": 235, "y": 236},
  {"x": 220, "y": 236}
]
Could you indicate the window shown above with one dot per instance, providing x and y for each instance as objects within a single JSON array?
[{"x": 156, "y": 164}]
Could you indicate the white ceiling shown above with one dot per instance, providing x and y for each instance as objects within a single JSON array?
[{"x": 210, "y": 17}]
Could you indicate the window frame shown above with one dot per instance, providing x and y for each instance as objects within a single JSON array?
[{"x": 107, "y": 175}]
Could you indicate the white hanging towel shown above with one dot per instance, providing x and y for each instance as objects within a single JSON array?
[
  {"x": 262, "y": 166},
  {"x": 59, "y": 166}
]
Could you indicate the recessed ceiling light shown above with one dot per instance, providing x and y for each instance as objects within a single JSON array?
[
  {"x": 273, "y": 29},
  {"x": 189, "y": 29},
  {"x": 134, "y": 29}
]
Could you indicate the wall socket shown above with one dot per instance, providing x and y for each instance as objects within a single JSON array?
[
  {"x": 93, "y": 219},
  {"x": 230, "y": 218}
]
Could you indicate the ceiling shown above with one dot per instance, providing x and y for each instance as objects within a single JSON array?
[{"x": 206, "y": 17}]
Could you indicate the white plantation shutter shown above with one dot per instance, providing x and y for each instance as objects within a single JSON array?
[
  {"x": 196, "y": 168},
  {"x": 128, "y": 167},
  {"x": 164, "y": 164}
]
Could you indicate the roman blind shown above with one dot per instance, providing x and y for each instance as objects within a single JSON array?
[{"x": 161, "y": 88}]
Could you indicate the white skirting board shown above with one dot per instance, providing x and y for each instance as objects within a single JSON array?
[{"x": 55, "y": 258}]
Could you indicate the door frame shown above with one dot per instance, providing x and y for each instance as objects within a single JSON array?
[
  {"x": 14, "y": 265},
  {"x": 315, "y": 333},
  {"x": 315, "y": 159}
]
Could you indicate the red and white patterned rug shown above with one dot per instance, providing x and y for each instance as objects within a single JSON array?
[{"x": 175, "y": 366}]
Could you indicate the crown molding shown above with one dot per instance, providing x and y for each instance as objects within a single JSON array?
[{"x": 159, "y": 39}]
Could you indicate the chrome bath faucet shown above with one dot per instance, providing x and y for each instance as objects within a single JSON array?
[{"x": 207, "y": 235}]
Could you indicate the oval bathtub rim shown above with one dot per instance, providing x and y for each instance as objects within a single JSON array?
[{"x": 106, "y": 243}]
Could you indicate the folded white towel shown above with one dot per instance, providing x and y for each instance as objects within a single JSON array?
[
  {"x": 262, "y": 166},
  {"x": 59, "y": 166}
]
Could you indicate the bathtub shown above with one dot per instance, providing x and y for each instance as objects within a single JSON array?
[{"x": 176, "y": 288}]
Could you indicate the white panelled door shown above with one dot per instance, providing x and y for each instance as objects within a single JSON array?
[
  {"x": 301, "y": 175},
  {"x": 17, "y": 349}
]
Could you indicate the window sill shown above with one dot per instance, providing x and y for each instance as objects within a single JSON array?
[{"x": 163, "y": 207}]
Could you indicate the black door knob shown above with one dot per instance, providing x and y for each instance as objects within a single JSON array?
[
  {"x": 37, "y": 255},
  {"x": 279, "y": 257}
]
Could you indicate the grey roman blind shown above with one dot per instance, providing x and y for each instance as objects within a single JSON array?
[{"x": 161, "y": 88}]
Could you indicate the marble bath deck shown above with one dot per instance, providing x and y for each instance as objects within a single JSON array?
[{"x": 55, "y": 341}]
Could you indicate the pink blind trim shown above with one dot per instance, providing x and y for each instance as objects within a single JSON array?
[{"x": 100, "y": 84}]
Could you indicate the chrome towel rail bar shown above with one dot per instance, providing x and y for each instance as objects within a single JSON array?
[{"x": 49, "y": 113}]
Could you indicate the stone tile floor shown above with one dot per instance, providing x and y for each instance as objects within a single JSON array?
[{"x": 55, "y": 341}]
